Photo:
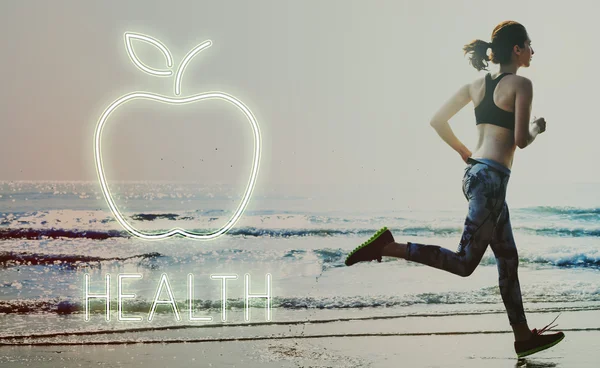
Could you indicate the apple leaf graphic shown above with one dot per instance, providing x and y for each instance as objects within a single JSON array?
[{"x": 130, "y": 36}]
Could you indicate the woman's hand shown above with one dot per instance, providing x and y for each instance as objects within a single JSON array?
[
  {"x": 465, "y": 154},
  {"x": 539, "y": 124}
]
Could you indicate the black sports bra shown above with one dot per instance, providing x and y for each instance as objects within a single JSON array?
[{"x": 488, "y": 112}]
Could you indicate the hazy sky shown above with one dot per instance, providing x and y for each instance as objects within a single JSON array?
[{"x": 343, "y": 92}]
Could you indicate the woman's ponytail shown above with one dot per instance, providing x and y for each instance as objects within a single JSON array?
[{"x": 478, "y": 50}]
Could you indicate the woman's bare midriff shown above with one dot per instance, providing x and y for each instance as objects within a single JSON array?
[{"x": 495, "y": 143}]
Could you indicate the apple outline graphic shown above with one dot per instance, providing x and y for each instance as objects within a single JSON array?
[{"x": 129, "y": 36}]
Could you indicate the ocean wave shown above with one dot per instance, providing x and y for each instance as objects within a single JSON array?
[
  {"x": 33, "y": 259},
  {"x": 156, "y": 216},
  {"x": 563, "y": 232},
  {"x": 41, "y": 233},
  {"x": 142, "y": 306},
  {"x": 577, "y": 260},
  {"x": 429, "y": 231},
  {"x": 562, "y": 210},
  {"x": 579, "y": 214},
  {"x": 557, "y": 222},
  {"x": 328, "y": 258}
]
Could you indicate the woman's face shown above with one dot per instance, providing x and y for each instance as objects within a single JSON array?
[{"x": 526, "y": 53}]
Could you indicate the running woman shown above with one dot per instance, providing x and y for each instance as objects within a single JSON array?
[{"x": 502, "y": 112}]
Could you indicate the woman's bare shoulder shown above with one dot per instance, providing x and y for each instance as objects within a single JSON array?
[
  {"x": 476, "y": 86},
  {"x": 512, "y": 79},
  {"x": 519, "y": 78}
]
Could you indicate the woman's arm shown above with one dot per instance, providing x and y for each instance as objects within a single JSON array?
[
  {"x": 525, "y": 132},
  {"x": 440, "y": 120}
]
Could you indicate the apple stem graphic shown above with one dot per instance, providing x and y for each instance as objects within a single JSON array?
[
  {"x": 186, "y": 61},
  {"x": 129, "y": 36}
]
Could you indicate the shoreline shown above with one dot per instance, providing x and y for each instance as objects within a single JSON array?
[{"x": 458, "y": 341}]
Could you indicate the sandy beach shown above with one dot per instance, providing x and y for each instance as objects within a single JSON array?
[{"x": 447, "y": 341}]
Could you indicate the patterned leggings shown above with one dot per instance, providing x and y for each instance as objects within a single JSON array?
[{"x": 487, "y": 222}]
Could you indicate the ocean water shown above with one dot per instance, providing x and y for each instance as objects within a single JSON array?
[{"x": 54, "y": 233}]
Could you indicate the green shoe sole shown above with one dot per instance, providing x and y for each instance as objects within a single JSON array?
[{"x": 350, "y": 259}]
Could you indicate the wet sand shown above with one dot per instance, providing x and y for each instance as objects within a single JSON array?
[{"x": 449, "y": 341}]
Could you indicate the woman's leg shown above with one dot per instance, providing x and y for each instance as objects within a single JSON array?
[
  {"x": 484, "y": 188},
  {"x": 507, "y": 260}
]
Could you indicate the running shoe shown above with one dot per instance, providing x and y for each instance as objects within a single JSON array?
[
  {"x": 538, "y": 342},
  {"x": 371, "y": 249}
]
